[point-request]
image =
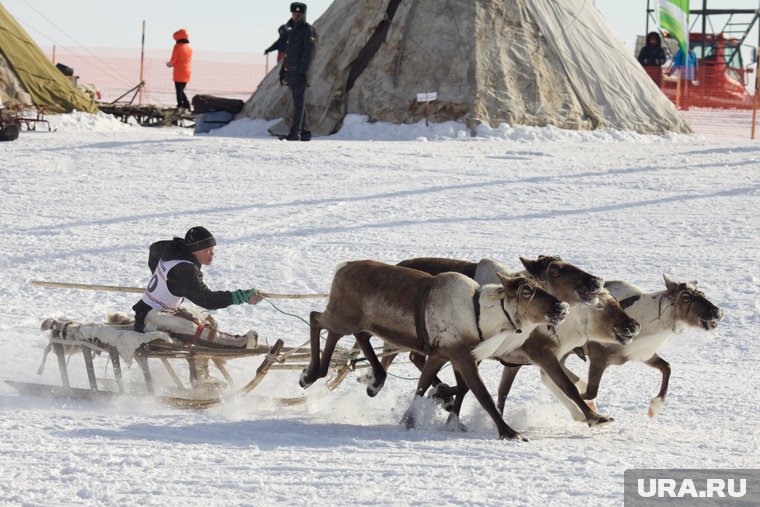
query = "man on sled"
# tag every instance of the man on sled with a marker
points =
(176, 275)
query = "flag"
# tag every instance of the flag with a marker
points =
(674, 18)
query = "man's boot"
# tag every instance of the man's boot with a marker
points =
(293, 136)
(306, 135)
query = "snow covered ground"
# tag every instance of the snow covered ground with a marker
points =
(82, 205)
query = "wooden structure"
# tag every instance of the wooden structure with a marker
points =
(149, 115)
(16, 115)
(276, 357)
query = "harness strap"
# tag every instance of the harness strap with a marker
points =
(476, 304)
(423, 291)
(511, 322)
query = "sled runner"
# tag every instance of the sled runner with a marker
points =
(120, 344)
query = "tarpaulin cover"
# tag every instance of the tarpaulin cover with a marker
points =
(22, 63)
(519, 62)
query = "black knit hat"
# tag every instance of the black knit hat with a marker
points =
(298, 7)
(199, 238)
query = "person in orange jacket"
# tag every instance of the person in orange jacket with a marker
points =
(182, 55)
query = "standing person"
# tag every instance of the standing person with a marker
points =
(281, 42)
(176, 274)
(687, 68)
(652, 57)
(302, 40)
(182, 56)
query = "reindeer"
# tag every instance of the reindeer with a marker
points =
(442, 316)
(561, 279)
(661, 314)
(604, 323)
(595, 315)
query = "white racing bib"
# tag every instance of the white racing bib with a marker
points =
(157, 294)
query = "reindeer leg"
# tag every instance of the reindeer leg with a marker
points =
(575, 379)
(596, 367)
(431, 368)
(505, 385)
(464, 363)
(318, 369)
(659, 401)
(567, 393)
(440, 391)
(459, 392)
(378, 372)
(388, 358)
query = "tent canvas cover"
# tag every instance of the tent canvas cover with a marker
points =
(520, 62)
(28, 77)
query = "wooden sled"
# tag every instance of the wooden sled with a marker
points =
(277, 357)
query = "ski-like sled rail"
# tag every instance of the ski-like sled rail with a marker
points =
(277, 357)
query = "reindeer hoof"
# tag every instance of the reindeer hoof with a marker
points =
(409, 420)
(599, 420)
(655, 406)
(513, 436)
(453, 423)
(372, 389)
(303, 382)
(442, 394)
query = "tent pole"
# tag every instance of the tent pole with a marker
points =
(678, 90)
(754, 103)
(142, 64)
(646, 30)
(52, 59)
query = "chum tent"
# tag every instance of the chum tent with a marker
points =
(519, 62)
(28, 77)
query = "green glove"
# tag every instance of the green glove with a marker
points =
(240, 296)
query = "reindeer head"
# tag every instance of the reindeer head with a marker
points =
(564, 280)
(607, 322)
(531, 303)
(691, 307)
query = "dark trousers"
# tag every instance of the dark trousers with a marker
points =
(300, 116)
(181, 97)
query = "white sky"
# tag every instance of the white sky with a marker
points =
(228, 25)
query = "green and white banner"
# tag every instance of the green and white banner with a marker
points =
(674, 18)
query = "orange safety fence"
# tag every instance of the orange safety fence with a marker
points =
(112, 72)
(715, 102)
(714, 105)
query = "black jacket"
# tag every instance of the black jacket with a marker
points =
(299, 53)
(652, 56)
(183, 280)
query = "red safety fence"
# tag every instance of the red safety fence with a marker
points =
(714, 104)
(115, 71)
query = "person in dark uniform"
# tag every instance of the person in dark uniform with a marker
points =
(176, 275)
(299, 53)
